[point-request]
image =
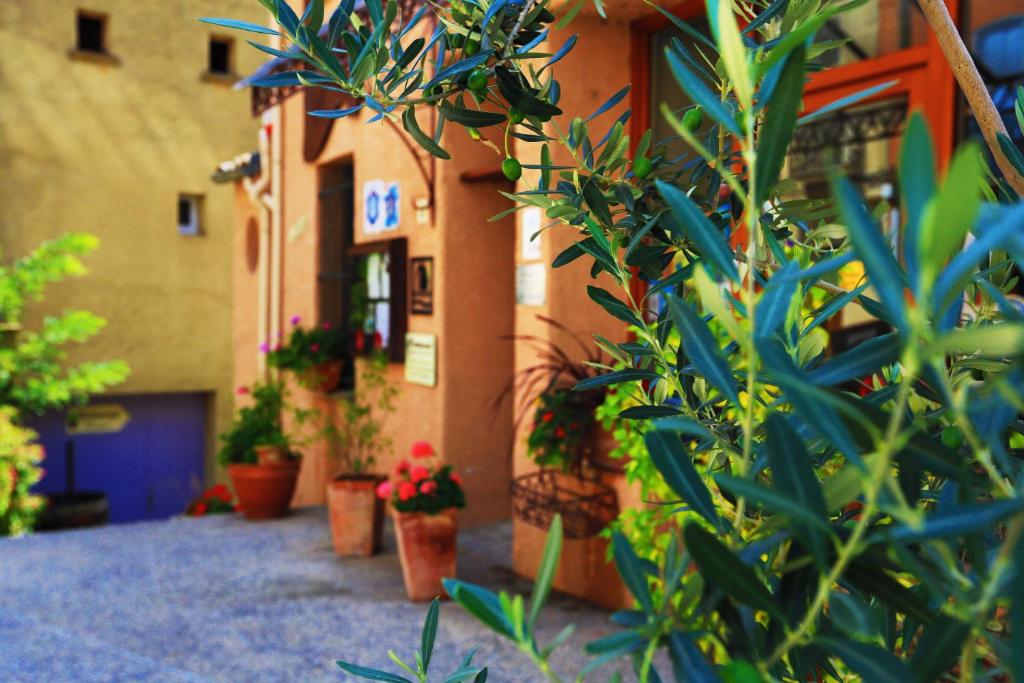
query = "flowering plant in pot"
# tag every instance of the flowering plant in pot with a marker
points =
(318, 356)
(256, 450)
(424, 497)
(354, 436)
(216, 500)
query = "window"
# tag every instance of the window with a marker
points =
(190, 214)
(91, 32)
(874, 29)
(377, 298)
(220, 56)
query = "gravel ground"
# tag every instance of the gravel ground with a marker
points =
(221, 599)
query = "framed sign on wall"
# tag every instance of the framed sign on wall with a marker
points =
(421, 276)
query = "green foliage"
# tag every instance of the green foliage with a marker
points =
(466, 671)
(797, 489)
(352, 426)
(308, 347)
(560, 424)
(34, 375)
(257, 424)
(19, 471)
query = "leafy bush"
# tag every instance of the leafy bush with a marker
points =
(34, 377)
(833, 534)
(19, 471)
(355, 435)
(258, 424)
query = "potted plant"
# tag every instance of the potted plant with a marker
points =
(262, 468)
(355, 437)
(423, 499)
(215, 500)
(318, 356)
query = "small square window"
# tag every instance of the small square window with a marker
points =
(220, 56)
(190, 214)
(91, 32)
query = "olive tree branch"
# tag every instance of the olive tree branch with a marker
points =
(972, 85)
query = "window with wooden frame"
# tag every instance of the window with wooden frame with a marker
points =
(220, 56)
(377, 299)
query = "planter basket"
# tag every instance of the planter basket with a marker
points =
(587, 506)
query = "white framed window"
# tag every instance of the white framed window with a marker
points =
(190, 210)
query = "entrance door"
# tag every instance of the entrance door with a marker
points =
(150, 467)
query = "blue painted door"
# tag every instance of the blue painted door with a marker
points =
(150, 469)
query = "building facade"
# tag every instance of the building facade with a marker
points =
(489, 280)
(112, 115)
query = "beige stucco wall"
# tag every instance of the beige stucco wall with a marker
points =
(106, 149)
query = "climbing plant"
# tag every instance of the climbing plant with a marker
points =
(841, 534)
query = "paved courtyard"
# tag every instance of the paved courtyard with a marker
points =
(220, 599)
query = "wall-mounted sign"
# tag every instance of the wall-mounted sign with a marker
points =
(531, 284)
(421, 271)
(381, 206)
(421, 359)
(102, 418)
(529, 236)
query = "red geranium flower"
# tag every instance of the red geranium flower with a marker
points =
(406, 491)
(402, 467)
(548, 416)
(384, 490)
(200, 509)
(428, 487)
(422, 449)
(419, 473)
(559, 432)
(456, 478)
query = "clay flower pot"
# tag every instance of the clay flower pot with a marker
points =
(356, 514)
(264, 491)
(426, 547)
(324, 377)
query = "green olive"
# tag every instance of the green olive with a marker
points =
(478, 80)
(456, 40)
(693, 119)
(515, 116)
(642, 167)
(952, 437)
(472, 47)
(512, 169)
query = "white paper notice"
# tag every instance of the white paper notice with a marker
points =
(530, 225)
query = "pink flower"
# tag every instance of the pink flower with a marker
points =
(402, 467)
(242, 390)
(384, 490)
(277, 347)
(296, 320)
(419, 473)
(422, 449)
(264, 347)
(327, 326)
(406, 490)
(428, 487)
(314, 347)
(456, 478)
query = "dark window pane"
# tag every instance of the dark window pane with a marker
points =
(184, 211)
(91, 33)
(220, 56)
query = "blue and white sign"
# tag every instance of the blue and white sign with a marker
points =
(381, 203)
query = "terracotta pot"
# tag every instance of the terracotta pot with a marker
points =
(271, 455)
(426, 547)
(324, 377)
(356, 514)
(264, 491)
